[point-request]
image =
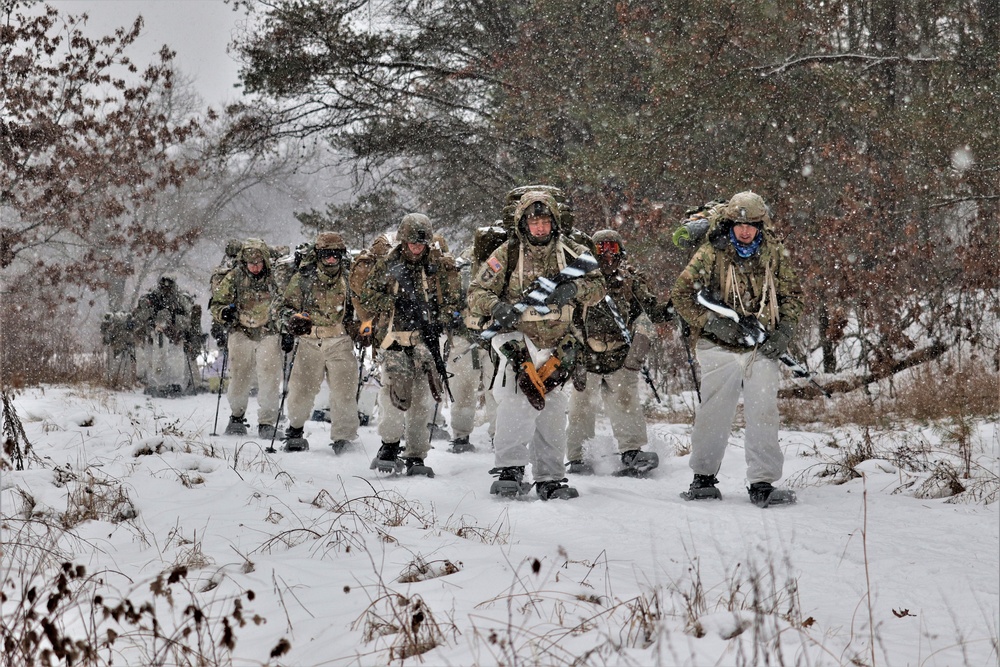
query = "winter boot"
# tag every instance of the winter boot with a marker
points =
(461, 445)
(763, 494)
(340, 446)
(268, 431)
(555, 490)
(509, 483)
(702, 488)
(415, 466)
(636, 463)
(295, 439)
(236, 426)
(387, 460)
(579, 468)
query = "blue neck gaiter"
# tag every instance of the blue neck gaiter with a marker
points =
(745, 250)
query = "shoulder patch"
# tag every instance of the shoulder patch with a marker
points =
(494, 264)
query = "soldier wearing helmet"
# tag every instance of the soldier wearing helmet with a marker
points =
(617, 333)
(745, 268)
(320, 321)
(414, 290)
(244, 304)
(538, 350)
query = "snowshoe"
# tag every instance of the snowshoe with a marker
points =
(415, 466)
(703, 488)
(763, 494)
(637, 463)
(236, 426)
(509, 483)
(321, 415)
(387, 460)
(579, 468)
(555, 490)
(268, 431)
(340, 446)
(295, 440)
(461, 445)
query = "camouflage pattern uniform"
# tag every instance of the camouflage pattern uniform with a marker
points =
(168, 333)
(395, 290)
(612, 364)
(327, 351)
(763, 285)
(253, 344)
(523, 434)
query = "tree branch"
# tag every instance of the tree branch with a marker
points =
(799, 61)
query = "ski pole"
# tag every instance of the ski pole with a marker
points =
(645, 373)
(685, 329)
(286, 376)
(361, 374)
(222, 378)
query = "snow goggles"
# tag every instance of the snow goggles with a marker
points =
(608, 248)
(327, 253)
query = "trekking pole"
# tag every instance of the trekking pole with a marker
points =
(222, 378)
(286, 375)
(649, 380)
(685, 331)
(361, 374)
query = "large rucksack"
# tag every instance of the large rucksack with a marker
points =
(361, 268)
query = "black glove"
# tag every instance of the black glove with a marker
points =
(300, 324)
(228, 314)
(219, 334)
(287, 342)
(505, 315)
(777, 343)
(725, 331)
(562, 294)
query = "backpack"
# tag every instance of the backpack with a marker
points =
(361, 268)
(697, 225)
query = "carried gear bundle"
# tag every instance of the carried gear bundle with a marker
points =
(534, 382)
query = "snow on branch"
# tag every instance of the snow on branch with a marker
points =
(798, 61)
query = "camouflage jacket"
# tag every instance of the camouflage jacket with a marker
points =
(763, 285)
(325, 297)
(491, 285)
(606, 347)
(256, 299)
(395, 288)
(172, 313)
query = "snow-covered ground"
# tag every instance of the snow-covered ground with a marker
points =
(333, 564)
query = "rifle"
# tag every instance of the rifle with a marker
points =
(754, 334)
(540, 290)
(627, 336)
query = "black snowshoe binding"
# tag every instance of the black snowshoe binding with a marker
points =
(321, 415)
(340, 446)
(236, 426)
(461, 445)
(637, 463)
(763, 494)
(415, 466)
(387, 460)
(510, 482)
(555, 490)
(579, 468)
(703, 488)
(295, 440)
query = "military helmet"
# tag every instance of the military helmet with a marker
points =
(330, 241)
(745, 207)
(415, 228)
(535, 203)
(608, 241)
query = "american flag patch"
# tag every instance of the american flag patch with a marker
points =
(494, 264)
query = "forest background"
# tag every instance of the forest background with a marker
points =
(870, 128)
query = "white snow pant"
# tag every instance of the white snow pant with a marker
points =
(465, 382)
(525, 435)
(724, 375)
(162, 365)
(333, 359)
(248, 358)
(395, 424)
(619, 393)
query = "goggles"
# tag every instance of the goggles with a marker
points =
(327, 253)
(608, 248)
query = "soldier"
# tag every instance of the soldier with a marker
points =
(245, 305)
(318, 310)
(538, 352)
(168, 332)
(617, 332)
(414, 292)
(745, 268)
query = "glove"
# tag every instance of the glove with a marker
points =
(562, 294)
(300, 324)
(228, 314)
(777, 343)
(725, 331)
(219, 334)
(637, 353)
(365, 332)
(505, 315)
(287, 342)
